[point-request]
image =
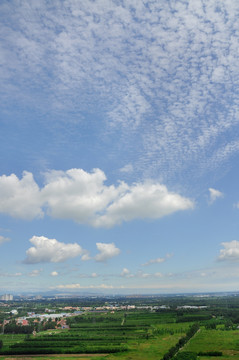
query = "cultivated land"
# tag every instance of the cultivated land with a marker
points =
(182, 327)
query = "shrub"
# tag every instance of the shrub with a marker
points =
(210, 353)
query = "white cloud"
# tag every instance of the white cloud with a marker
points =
(158, 274)
(84, 198)
(85, 256)
(79, 286)
(4, 239)
(127, 168)
(11, 275)
(54, 273)
(20, 198)
(106, 251)
(126, 273)
(157, 261)
(142, 201)
(214, 195)
(76, 194)
(230, 251)
(35, 272)
(154, 261)
(145, 275)
(114, 49)
(51, 250)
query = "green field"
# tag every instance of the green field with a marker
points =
(211, 340)
(137, 335)
(134, 335)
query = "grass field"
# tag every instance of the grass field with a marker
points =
(215, 340)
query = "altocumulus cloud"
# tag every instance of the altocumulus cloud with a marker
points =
(50, 250)
(83, 197)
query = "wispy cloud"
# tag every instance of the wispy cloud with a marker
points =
(127, 168)
(79, 286)
(35, 272)
(157, 260)
(4, 239)
(17, 274)
(214, 195)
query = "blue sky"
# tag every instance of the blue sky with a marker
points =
(119, 146)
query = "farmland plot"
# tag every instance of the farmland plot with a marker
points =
(215, 340)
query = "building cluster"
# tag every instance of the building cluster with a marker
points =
(6, 297)
(191, 307)
(59, 319)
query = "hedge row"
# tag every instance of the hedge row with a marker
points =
(57, 350)
(181, 342)
(53, 339)
(62, 344)
(210, 353)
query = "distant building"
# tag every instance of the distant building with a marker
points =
(6, 297)
(22, 322)
(14, 312)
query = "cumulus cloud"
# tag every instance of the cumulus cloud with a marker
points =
(106, 251)
(143, 201)
(50, 250)
(230, 251)
(158, 260)
(83, 197)
(20, 198)
(54, 273)
(4, 239)
(214, 195)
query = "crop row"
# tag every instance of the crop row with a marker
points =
(63, 344)
(66, 343)
(63, 350)
(117, 327)
(74, 338)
